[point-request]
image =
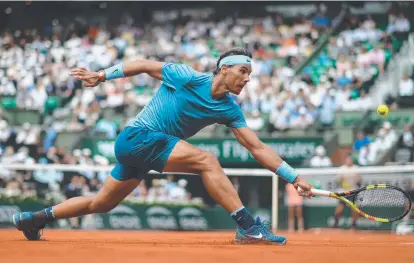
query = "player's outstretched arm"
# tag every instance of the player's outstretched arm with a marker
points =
(267, 157)
(127, 69)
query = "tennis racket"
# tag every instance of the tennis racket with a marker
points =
(378, 202)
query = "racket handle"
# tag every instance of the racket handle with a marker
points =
(318, 192)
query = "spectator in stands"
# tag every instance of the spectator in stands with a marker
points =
(377, 57)
(49, 138)
(85, 190)
(282, 123)
(366, 156)
(405, 150)
(22, 156)
(342, 65)
(390, 134)
(407, 138)
(55, 194)
(171, 184)
(267, 101)
(142, 187)
(5, 133)
(101, 161)
(106, 126)
(86, 159)
(38, 98)
(320, 159)
(255, 121)
(140, 192)
(28, 136)
(13, 188)
(52, 156)
(369, 23)
(328, 109)
(361, 141)
(95, 185)
(347, 181)
(180, 194)
(157, 192)
(8, 155)
(400, 24)
(381, 143)
(406, 87)
(332, 48)
(27, 191)
(303, 120)
(364, 58)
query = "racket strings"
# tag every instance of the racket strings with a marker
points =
(386, 203)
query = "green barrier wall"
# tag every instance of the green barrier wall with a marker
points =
(185, 218)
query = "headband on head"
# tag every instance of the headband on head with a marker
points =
(235, 60)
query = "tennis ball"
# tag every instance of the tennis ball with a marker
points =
(382, 110)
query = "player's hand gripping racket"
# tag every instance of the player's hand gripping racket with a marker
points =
(379, 202)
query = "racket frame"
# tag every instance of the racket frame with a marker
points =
(341, 196)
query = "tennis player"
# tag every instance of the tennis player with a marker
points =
(186, 102)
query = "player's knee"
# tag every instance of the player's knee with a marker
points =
(208, 161)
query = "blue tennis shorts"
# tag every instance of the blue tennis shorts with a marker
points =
(139, 150)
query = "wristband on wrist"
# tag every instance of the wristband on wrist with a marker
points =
(114, 72)
(287, 172)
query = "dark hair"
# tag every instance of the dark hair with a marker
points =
(231, 52)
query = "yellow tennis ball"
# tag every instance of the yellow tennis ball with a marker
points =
(382, 110)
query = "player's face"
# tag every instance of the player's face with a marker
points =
(237, 77)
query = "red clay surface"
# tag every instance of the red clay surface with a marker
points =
(336, 246)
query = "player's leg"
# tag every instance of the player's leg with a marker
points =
(299, 216)
(186, 158)
(354, 216)
(110, 195)
(338, 212)
(291, 218)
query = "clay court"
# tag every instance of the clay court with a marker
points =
(63, 246)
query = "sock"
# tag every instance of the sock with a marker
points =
(243, 218)
(44, 217)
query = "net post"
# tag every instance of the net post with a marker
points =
(275, 200)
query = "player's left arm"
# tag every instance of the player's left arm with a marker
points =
(127, 69)
(268, 158)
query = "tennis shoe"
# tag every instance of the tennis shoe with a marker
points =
(25, 223)
(259, 233)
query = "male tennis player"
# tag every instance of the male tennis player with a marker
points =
(186, 102)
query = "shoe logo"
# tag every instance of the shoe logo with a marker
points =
(256, 236)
